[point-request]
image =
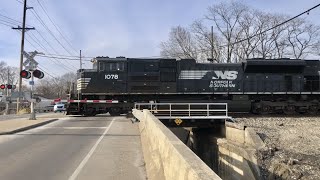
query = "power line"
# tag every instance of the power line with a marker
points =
(10, 18)
(13, 21)
(5, 24)
(19, 1)
(46, 71)
(50, 32)
(86, 57)
(55, 62)
(36, 40)
(284, 22)
(57, 28)
(64, 67)
(65, 58)
(8, 22)
(32, 37)
(262, 32)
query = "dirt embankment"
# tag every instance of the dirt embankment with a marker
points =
(293, 146)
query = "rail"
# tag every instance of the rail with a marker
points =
(186, 110)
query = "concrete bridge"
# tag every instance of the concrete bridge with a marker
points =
(103, 147)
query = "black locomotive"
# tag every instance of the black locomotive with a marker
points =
(256, 85)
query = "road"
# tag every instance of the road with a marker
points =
(101, 147)
(15, 116)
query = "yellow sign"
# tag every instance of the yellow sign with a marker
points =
(178, 121)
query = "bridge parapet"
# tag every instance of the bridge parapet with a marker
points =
(165, 155)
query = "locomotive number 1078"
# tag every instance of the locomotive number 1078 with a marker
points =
(111, 76)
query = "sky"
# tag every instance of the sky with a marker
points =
(130, 28)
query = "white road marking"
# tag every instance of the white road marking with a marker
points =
(85, 160)
(72, 127)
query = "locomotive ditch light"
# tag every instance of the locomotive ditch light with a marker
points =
(25, 74)
(38, 74)
(2, 86)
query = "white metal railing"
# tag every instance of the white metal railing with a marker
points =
(186, 110)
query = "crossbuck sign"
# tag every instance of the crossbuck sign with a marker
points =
(30, 64)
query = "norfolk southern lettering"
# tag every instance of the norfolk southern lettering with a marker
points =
(225, 79)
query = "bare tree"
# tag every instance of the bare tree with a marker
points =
(240, 33)
(248, 43)
(226, 18)
(8, 73)
(207, 41)
(180, 44)
(303, 38)
(56, 87)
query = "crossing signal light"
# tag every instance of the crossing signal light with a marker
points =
(25, 74)
(38, 74)
(8, 86)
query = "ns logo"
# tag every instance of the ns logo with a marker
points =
(229, 75)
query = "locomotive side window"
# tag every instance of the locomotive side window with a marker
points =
(101, 66)
(115, 66)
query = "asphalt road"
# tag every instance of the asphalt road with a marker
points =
(101, 147)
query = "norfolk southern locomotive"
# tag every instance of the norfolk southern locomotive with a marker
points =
(256, 85)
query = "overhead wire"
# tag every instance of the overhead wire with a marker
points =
(48, 29)
(65, 58)
(19, 1)
(5, 24)
(31, 36)
(51, 33)
(41, 22)
(54, 60)
(37, 48)
(250, 37)
(56, 26)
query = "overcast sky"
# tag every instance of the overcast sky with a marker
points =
(131, 28)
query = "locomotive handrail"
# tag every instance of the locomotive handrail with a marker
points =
(187, 110)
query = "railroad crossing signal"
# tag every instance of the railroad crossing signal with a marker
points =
(30, 63)
(38, 74)
(25, 74)
(8, 86)
(31, 66)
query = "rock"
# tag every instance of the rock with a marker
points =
(292, 161)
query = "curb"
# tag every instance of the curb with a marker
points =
(28, 127)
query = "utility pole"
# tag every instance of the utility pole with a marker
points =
(212, 43)
(22, 47)
(80, 61)
(7, 93)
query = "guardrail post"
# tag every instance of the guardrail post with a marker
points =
(170, 109)
(207, 109)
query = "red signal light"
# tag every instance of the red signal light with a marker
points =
(3, 86)
(25, 74)
(9, 86)
(38, 74)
